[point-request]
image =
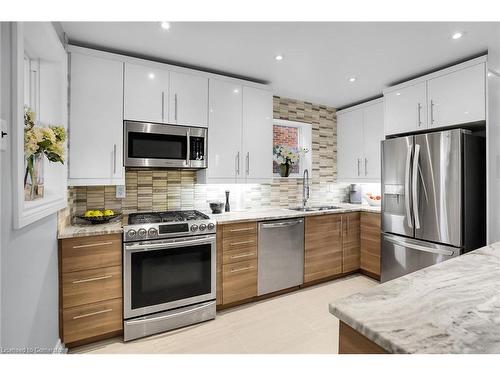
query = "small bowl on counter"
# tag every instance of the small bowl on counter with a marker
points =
(98, 217)
(373, 200)
(216, 206)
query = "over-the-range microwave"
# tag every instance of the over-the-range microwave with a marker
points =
(166, 146)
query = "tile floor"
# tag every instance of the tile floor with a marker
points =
(298, 322)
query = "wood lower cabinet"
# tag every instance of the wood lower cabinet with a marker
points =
(90, 288)
(237, 256)
(323, 247)
(370, 244)
(350, 242)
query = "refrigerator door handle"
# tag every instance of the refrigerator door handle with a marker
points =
(419, 247)
(414, 186)
(407, 187)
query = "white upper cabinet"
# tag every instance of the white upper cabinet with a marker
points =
(146, 93)
(188, 103)
(373, 134)
(225, 160)
(349, 145)
(359, 132)
(449, 97)
(96, 121)
(406, 109)
(257, 135)
(458, 97)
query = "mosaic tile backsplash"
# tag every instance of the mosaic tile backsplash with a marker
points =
(161, 189)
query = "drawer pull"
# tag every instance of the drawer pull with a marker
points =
(241, 243)
(240, 269)
(93, 244)
(241, 255)
(241, 229)
(92, 313)
(92, 279)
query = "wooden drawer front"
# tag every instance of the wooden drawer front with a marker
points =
(83, 287)
(323, 247)
(370, 242)
(92, 320)
(239, 281)
(240, 249)
(83, 253)
(351, 242)
(237, 230)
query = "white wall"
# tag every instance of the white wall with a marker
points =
(28, 257)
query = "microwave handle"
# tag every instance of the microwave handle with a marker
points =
(188, 148)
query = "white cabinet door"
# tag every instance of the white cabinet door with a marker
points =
(188, 100)
(405, 109)
(225, 160)
(458, 97)
(350, 145)
(146, 93)
(257, 135)
(373, 134)
(96, 121)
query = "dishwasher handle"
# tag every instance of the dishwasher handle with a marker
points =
(283, 224)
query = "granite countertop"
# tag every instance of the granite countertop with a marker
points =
(83, 230)
(450, 307)
(284, 213)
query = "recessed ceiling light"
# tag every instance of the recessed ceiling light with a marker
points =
(165, 25)
(151, 76)
(398, 93)
(490, 74)
(236, 91)
(278, 57)
(457, 35)
(352, 79)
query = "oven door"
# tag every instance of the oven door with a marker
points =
(166, 274)
(161, 145)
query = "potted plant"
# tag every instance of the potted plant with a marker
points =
(38, 142)
(286, 157)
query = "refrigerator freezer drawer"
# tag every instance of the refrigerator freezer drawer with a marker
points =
(401, 255)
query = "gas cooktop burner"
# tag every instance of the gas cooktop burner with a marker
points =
(165, 217)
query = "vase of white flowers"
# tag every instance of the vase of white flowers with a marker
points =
(38, 142)
(287, 157)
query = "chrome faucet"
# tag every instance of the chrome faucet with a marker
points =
(305, 188)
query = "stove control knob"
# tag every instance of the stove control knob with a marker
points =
(194, 228)
(203, 226)
(152, 232)
(131, 233)
(141, 232)
(211, 226)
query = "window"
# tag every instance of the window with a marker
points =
(295, 135)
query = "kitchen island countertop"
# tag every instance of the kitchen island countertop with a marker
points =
(450, 307)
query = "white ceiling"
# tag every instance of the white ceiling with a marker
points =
(318, 57)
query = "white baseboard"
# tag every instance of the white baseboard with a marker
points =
(60, 348)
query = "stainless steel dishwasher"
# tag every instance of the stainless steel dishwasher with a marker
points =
(280, 255)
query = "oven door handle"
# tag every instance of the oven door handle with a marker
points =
(164, 245)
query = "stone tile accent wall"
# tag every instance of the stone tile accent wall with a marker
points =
(159, 189)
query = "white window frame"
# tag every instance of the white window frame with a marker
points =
(304, 131)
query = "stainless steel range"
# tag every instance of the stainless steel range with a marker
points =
(169, 271)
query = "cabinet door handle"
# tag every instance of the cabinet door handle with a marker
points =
(241, 269)
(432, 111)
(238, 163)
(248, 163)
(359, 161)
(114, 158)
(366, 167)
(241, 243)
(175, 107)
(92, 313)
(419, 121)
(163, 105)
(92, 279)
(240, 230)
(93, 244)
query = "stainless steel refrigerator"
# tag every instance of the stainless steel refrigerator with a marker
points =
(434, 199)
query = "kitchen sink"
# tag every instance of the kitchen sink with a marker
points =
(320, 208)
